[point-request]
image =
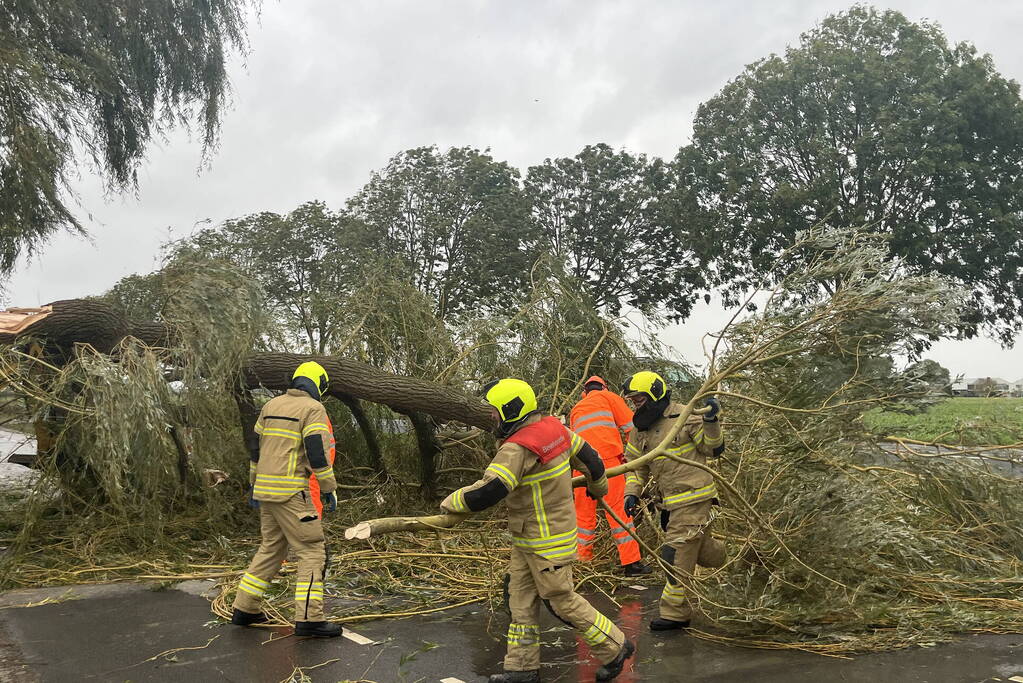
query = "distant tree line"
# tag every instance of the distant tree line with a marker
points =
(869, 120)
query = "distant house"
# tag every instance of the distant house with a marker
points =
(1017, 388)
(986, 386)
(961, 385)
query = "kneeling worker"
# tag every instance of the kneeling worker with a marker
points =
(294, 440)
(533, 470)
(686, 492)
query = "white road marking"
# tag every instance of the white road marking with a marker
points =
(356, 638)
(638, 588)
(451, 680)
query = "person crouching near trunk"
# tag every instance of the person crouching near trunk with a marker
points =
(686, 492)
(533, 471)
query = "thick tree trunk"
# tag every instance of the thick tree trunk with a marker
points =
(401, 394)
(429, 449)
(75, 321)
(93, 322)
(248, 414)
(376, 456)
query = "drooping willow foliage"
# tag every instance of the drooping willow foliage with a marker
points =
(140, 432)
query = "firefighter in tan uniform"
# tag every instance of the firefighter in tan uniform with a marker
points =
(294, 440)
(533, 471)
(686, 493)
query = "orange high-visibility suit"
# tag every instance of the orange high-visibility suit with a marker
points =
(597, 418)
(314, 486)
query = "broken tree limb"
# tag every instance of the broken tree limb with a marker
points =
(387, 525)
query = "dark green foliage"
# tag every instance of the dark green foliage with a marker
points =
(870, 120)
(599, 215)
(454, 221)
(305, 262)
(104, 78)
(138, 297)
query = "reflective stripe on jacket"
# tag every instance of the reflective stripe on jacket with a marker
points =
(679, 485)
(283, 468)
(597, 417)
(541, 505)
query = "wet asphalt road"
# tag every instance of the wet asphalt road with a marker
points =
(112, 633)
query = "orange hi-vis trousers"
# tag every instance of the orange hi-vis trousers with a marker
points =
(586, 520)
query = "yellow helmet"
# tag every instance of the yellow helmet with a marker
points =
(513, 398)
(313, 371)
(646, 382)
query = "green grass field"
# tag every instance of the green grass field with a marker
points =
(966, 421)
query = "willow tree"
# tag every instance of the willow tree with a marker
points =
(100, 79)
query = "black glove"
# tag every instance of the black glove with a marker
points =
(631, 505)
(715, 408)
(253, 503)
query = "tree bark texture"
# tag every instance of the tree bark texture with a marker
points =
(94, 322)
(361, 380)
(429, 449)
(75, 321)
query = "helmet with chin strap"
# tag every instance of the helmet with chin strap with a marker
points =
(647, 383)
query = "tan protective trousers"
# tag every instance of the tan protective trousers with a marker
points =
(292, 524)
(534, 579)
(686, 545)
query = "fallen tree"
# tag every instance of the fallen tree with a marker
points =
(94, 323)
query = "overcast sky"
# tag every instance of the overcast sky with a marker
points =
(331, 90)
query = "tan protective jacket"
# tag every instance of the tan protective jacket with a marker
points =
(541, 506)
(282, 468)
(678, 485)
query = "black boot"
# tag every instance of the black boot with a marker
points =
(611, 670)
(317, 629)
(240, 618)
(516, 677)
(668, 625)
(637, 569)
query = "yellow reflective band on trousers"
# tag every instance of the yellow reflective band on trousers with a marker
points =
(673, 595)
(554, 547)
(313, 590)
(693, 495)
(526, 635)
(599, 632)
(253, 585)
(278, 486)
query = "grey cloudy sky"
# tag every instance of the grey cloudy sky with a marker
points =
(331, 90)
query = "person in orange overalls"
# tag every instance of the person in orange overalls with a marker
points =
(314, 486)
(602, 418)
